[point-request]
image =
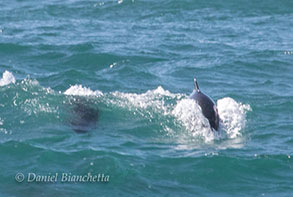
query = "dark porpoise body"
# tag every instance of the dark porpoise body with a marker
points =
(85, 116)
(208, 107)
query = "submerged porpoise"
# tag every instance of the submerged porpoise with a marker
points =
(85, 116)
(208, 106)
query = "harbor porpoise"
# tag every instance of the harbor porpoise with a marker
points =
(208, 106)
(85, 116)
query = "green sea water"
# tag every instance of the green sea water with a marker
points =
(133, 62)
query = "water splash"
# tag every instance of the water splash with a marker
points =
(7, 78)
(232, 115)
(160, 102)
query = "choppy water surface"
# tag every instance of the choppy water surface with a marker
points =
(135, 61)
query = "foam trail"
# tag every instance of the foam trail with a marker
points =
(79, 90)
(7, 78)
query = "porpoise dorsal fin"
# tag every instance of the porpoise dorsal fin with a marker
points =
(196, 85)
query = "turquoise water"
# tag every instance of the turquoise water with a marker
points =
(135, 61)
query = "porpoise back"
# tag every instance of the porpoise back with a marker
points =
(208, 106)
(85, 116)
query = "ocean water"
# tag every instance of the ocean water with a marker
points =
(134, 61)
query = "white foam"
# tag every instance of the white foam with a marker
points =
(160, 91)
(232, 116)
(82, 91)
(7, 78)
(36, 106)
